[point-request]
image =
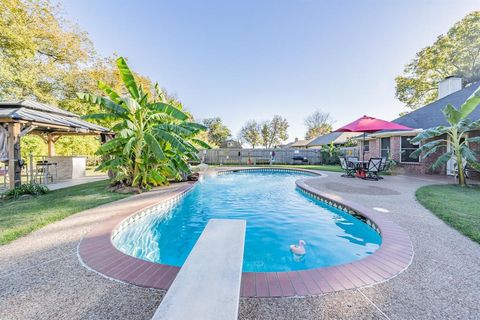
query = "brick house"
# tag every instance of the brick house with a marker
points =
(398, 145)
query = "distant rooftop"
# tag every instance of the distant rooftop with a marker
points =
(336, 137)
(298, 144)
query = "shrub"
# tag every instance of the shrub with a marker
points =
(329, 159)
(33, 189)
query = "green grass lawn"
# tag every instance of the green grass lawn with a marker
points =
(457, 206)
(20, 217)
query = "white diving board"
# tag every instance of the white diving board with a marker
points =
(208, 284)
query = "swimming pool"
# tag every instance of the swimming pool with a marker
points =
(278, 214)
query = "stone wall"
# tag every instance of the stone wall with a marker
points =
(68, 167)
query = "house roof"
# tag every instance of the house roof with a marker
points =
(44, 116)
(286, 145)
(431, 115)
(336, 137)
(299, 144)
(233, 143)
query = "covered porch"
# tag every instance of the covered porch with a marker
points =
(19, 118)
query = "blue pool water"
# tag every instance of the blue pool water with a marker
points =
(277, 213)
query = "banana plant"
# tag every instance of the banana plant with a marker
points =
(459, 125)
(153, 138)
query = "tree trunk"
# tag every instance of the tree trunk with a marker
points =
(461, 175)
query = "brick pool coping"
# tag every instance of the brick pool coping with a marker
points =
(395, 254)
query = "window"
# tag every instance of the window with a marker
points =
(406, 148)
(385, 147)
(366, 147)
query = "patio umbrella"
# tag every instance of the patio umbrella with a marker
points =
(369, 125)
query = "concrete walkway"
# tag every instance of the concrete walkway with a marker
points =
(75, 182)
(42, 278)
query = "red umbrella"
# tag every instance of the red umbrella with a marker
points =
(370, 124)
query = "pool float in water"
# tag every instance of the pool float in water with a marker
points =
(300, 249)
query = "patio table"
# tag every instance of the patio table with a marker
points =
(359, 165)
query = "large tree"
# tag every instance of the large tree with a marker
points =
(39, 51)
(250, 133)
(274, 132)
(45, 58)
(455, 53)
(318, 123)
(216, 130)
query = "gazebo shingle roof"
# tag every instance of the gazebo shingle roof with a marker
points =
(40, 113)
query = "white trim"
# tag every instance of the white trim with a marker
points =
(373, 136)
(406, 133)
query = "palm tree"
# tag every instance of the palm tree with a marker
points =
(458, 141)
(154, 139)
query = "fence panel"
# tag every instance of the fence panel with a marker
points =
(259, 156)
(349, 151)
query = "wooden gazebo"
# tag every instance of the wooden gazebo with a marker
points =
(21, 117)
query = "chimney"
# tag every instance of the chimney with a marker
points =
(296, 139)
(448, 86)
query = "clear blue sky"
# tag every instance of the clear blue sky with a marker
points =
(251, 59)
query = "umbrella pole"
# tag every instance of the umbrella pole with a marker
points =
(363, 149)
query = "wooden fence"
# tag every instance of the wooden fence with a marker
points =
(260, 156)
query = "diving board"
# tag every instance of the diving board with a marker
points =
(208, 284)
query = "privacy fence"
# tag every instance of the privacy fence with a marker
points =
(270, 156)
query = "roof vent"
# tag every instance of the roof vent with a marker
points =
(448, 86)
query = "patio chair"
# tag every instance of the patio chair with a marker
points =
(42, 174)
(373, 168)
(467, 170)
(383, 166)
(4, 172)
(348, 167)
(352, 159)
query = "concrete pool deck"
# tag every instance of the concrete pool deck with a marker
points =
(41, 276)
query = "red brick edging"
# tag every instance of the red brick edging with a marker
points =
(394, 255)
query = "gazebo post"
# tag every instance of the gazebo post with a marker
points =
(14, 170)
(104, 138)
(51, 145)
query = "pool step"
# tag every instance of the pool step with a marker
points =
(208, 284)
